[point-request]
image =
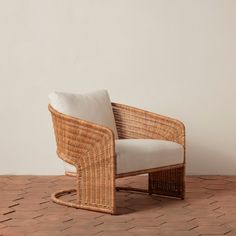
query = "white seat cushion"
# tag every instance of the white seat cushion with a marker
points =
(142, 154)
(94, 107)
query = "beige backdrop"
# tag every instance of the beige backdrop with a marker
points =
(176, 58)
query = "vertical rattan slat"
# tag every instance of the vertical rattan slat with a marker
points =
(168, 182)
(136, 123)
(132, 122)
(90, 148)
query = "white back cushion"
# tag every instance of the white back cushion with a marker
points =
(94, 107)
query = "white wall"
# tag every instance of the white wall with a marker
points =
(176, 58)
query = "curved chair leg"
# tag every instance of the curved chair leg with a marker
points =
(56, 198)
(169, 182)
(95, 188)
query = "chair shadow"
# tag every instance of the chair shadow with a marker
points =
(131, 202)
(198, 163)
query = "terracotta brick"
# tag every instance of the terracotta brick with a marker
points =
(139, 230)
(115, 233)
(187, 226)
(209, 208)
(115, 227)
(203, 230)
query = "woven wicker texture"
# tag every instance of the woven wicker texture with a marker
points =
(91, 149)
(136, 123)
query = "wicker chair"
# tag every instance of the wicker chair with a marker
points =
(91, 149)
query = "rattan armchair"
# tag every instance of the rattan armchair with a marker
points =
(91, 149)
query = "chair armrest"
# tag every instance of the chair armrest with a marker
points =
(82, 143)
(135, 123)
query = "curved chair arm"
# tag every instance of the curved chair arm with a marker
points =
(132, 122)
(79, 139)
(91, 149)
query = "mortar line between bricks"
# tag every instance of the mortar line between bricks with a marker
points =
(101, 223)
(37, 216)
(194, 228)
(13, 205)
(99, 232)
(9, 212)
(131, 228)
(44, 202)
(65, 221)
(17, 199)
(5, 220)
(66, 228)
(191, 220)
(227, 232)
(216, 208)
(213, 202)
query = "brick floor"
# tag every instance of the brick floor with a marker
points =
(209, 209)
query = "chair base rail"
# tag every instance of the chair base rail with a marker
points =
(56, 198)
(140, 190)
(131, 189)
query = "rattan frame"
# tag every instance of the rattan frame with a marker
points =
(91, 149)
